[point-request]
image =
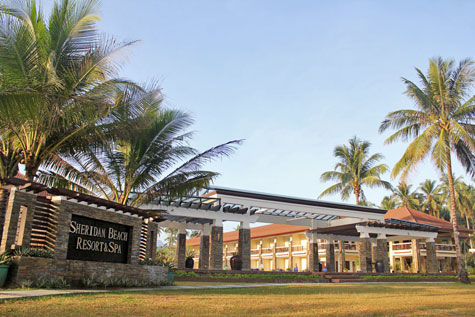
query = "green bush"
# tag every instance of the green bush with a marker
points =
(33, 252)
(244, 275)
(409, 277)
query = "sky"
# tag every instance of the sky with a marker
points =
(292, 78)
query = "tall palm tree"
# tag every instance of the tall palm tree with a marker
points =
(56, 80)
(467, 205)
(443, 123)
(153, 159)
(404, 197)
(389, 202)
(431, 198)
(355, 169)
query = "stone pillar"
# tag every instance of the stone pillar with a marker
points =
(364, 253)
(203, 261)
(216, 258)
(180, 251)
(416, 256)
(431, 256)
(18, 219)
(330, 256)
(381, 252)
(244, 246)
(152, 240)
(313, 260)
(341, 259)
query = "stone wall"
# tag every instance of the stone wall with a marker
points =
(30, 268)
(67, 208)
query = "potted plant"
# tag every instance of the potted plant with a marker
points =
(236, 262)
(5, 260)
(189, 262)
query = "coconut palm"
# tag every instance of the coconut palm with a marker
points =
(431, 198)
(153, 159)
(355, 169)
(56, 80)
(442, 123)
(467, 205)
(404, 197)
(389, 202)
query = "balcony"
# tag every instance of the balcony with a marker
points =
(281, 249)
(267, 250)
(407, 246)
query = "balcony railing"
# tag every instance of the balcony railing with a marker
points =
(408, 246)
(281, 249)
(267, 250)
(401, 246)
(296, 248)
(254, 251)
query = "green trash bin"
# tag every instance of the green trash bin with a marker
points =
(170, 277)
(3, 273)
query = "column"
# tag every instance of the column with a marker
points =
(274, 256)
(381, 252)
(180, 251)
(342, 260)
(291, 258)
(152, 239)
(260, 261)
(313, 260)
(244, 245)
(416, 256)
(18, 219)
(216, 258)
(204, 248)
(431, 256)
(330, 256)
(364, 253)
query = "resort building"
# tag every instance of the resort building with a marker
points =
(304, 234)
(277, 247)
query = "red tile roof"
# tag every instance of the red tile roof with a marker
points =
(256, 233)
(409, 214)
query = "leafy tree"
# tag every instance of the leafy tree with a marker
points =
(442, 123)
(431, 198)
(355, 169)
(56, 81)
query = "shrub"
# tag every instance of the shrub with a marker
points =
(33, 252)
(5, 258)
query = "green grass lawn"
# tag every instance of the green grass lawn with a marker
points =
(338, 299)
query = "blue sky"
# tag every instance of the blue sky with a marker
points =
(293, 78)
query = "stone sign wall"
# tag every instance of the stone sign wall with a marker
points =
(86, 238)
(96, 240)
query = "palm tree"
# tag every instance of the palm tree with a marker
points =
(153, 159)
(467, 205)
(389, 202)
(56, 80)
(404, 197)
(355, 169)
(443, 123)
(431, 198)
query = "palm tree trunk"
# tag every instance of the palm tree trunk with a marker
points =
(468, 227)
(357, 195)
(462, 274)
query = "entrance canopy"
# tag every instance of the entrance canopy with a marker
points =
(223, 204)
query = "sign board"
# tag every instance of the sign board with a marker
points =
(96, 240)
